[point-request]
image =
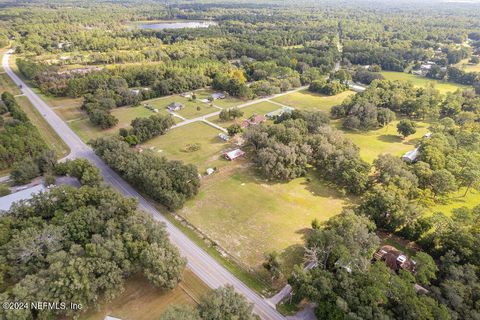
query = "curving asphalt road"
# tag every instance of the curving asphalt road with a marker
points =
(203, 265)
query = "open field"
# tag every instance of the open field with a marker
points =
(249, 216)
(457, 200)
(418, 81)
(190, 107)
(172, 145)
(86, 130)
(467, 67)
(384, 140)
(48, 134)
(257, 108)
(306, 100)
(142, 301)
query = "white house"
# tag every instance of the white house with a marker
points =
(7, 201)
(411, 156)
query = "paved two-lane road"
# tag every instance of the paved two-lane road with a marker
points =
(203, 265)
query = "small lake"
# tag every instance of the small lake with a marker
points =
(177, 25)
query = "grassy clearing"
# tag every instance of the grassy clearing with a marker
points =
(48, 134)
(86, 130)
(142, 301)
(190, 107)
(172, 145)
(249, 216)
(6, 84)
(228, 102)
(457, 200)
(306, 100)
(384, 140)
(418, 81)
(467, 67)
(257, 108)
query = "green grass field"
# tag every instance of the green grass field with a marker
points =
(51, 138)
(6, 84)
(467, 67)
(142, 301)
(249, 216)
(228, 102)
(384, 140)
(257, 108)
(306, 100)
(457, 200)
(172, 145)
(86, 130)
(418, 81)
(190, 107)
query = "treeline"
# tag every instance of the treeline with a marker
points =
(144, 129)
(220, 303)
(454, 75)
(284, 151)
(170, 183)
(346, 283)
(19, 139)
(377, 105)
(75, 245)
(342, 248)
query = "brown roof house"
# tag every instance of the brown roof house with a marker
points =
(394, 258)
(252, 121)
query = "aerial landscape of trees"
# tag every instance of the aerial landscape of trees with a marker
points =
(82, 244)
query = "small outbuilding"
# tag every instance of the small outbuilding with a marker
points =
(224, 136)
(175, 106)
(411, 156)
(218, 95)
(279, 112)
(234, 154)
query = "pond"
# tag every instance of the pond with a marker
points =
(178, 25)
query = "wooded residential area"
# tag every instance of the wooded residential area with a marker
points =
(217, 159)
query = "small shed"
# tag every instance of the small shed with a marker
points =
(411, 156)
(175, 106)
(279, 112)
(210, 171)
(223, 136)
(234, 154)
(218, 95)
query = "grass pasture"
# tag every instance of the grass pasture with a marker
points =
(442, 86)
(457, 200)
(306, 100)
(384, 140)
(6, 84)
(190, 107)
(142, 301)
(46, 131)
(173, 145)
(249, 217)
(86, 130)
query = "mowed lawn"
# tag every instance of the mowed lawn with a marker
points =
(86, 130)
(173, 145)
(457, 200)
(418, 81)
(142, 301)
(192, 109)
(306, 100)
(384, 140)
(249, 216)
(46, 131)
(260, 108)
(228, 102)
